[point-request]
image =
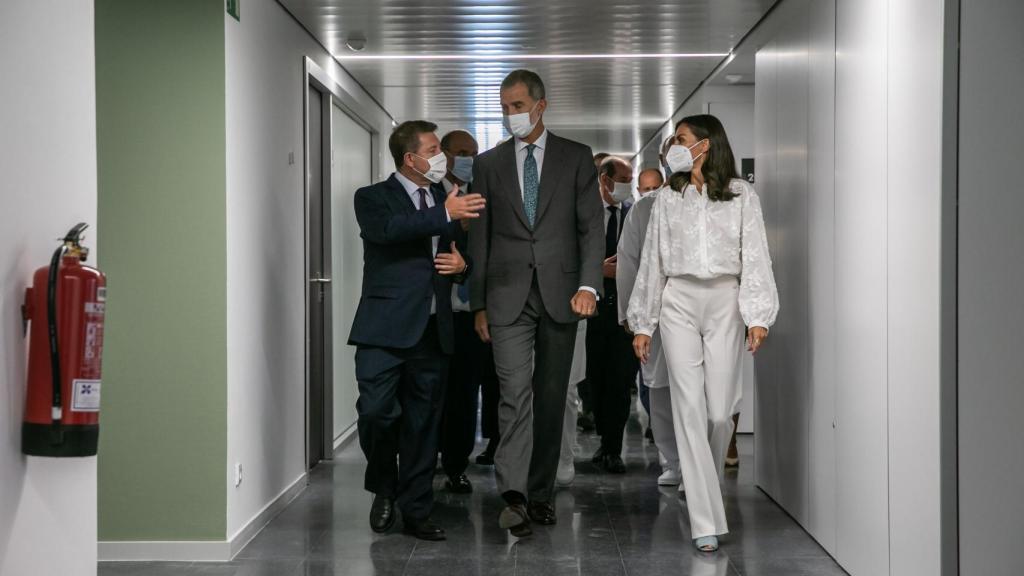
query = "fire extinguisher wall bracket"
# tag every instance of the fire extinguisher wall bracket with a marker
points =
(26, 312)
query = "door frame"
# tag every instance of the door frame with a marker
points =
(334, 95)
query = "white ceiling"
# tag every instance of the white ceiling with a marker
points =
(613, 105)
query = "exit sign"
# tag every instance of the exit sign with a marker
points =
(233, 8)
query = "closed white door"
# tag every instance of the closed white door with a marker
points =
(351, 169)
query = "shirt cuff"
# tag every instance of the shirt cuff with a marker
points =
(591, 290)
(760, 325)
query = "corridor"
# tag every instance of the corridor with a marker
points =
(263, 228)
(619, 525)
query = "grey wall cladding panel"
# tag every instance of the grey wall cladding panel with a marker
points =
(991, 244)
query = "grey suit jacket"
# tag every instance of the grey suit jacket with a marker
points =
(565, 247)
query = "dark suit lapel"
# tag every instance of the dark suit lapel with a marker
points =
(399, 195)
(550, 174)
(508, 174)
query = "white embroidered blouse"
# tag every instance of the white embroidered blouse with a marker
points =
(689, 235)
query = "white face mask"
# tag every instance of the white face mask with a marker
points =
(622, 191)
(463, 168)
(520, 125)
(680, 159)
(438, 167)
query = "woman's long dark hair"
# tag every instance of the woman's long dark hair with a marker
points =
(719, 164)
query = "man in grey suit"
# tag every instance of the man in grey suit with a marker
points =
(537, 250)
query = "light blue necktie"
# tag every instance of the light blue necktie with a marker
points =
(530, 184)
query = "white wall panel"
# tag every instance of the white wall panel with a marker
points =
(849, 164)
(351, 164)
(860, 260)
(914, 148)
(821, 340)
(265, 54)
(766, 395)
(47, 185)
(789, 253)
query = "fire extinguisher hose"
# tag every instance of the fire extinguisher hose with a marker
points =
(56, 435)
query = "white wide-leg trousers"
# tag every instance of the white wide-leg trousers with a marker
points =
(702, 338)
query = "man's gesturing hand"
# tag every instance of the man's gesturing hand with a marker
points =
(462, 207)
(450, 263)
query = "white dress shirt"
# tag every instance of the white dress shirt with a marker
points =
(538, 155)
(412, 189)
(689, 235)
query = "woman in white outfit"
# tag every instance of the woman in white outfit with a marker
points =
(705, 273)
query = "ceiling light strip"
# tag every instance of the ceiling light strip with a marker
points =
(513, 57)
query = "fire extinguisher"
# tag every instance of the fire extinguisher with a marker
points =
(66, 306)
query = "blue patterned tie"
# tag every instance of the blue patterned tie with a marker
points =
(530, 184)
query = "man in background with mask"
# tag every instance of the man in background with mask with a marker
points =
(611, 367)
(648, 181)
(472, 365)
(539, 245)
(403, 336)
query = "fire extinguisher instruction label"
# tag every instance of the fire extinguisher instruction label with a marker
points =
(86, 397)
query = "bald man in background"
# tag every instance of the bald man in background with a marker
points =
(648, 180)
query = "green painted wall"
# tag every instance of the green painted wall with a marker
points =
(162, 242)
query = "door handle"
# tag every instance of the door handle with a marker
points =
(320, 280)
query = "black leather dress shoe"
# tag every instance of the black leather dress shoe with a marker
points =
(424, 530)
(458, 484)
(516, 520)
(614, 464)
(542, 513)
(598, 457)
(521, 531)
(382, 514)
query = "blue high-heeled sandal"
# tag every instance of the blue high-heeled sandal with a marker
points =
(706, 543)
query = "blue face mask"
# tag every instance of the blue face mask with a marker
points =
(463, 168)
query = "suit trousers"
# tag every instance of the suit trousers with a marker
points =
(530, 356)
(702, 335)
(611, 374)
(401, 395)
(472, 367)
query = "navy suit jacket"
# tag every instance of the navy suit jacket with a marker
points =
(399, 278)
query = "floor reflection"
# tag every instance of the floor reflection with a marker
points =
(608, 525)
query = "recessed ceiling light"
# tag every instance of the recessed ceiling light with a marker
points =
(356, 42)
(733, 78)
(483, 57)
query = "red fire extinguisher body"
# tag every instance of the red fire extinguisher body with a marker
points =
(72, 428)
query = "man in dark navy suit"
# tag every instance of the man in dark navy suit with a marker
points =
(611, 369)
(403, 325)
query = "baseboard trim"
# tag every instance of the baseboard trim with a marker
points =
(245, 535)
(345, 436)
(165, 551)
(211, 551)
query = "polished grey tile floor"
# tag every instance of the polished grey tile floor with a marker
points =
(608, 525)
